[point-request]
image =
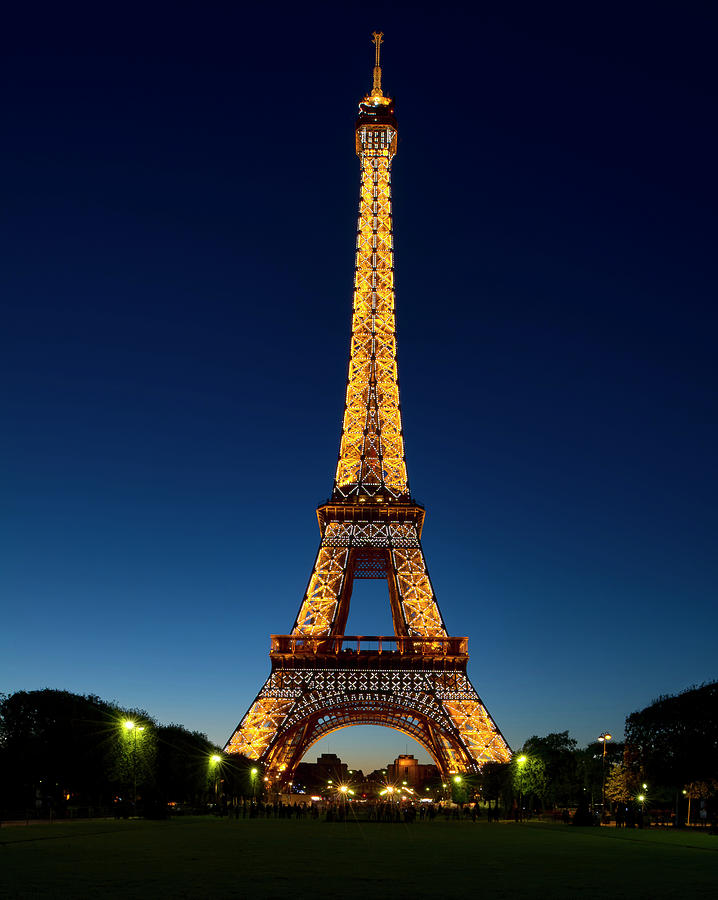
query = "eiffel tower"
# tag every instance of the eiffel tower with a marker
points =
(415, 680)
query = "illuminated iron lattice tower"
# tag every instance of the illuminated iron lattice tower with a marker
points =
(415, 680)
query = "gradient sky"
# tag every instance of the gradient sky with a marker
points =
(180, 194)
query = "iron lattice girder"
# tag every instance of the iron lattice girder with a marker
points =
(371, 454)
(299, 704)
(325, 606)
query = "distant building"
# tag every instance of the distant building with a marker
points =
(313, 777)
(330, 766)
(407, 768)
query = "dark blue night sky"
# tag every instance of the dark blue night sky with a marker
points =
(180, 194)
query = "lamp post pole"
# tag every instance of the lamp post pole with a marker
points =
(215, 760)
(457, 791)
(390, 792)
(604, 739)
(134, 728)
(521, 761)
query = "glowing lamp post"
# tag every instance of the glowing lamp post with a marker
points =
(214, 762)
(455, 793)
(129, 725)
(642, 797)
(604, 739)
(343, 791)
(521, 761)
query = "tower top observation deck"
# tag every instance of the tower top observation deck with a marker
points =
(375, 108)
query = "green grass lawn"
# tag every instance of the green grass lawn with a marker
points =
(288, 858)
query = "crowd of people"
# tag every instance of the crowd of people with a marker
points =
(342, 810)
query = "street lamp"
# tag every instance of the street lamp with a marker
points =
(344, 790)
(134, 728)
(521, 761)
(214, 761)
(642, 796)
(604, 739)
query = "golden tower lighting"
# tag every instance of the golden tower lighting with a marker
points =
(414, 680)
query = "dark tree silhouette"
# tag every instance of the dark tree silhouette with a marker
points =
(60, 750)
(676, 737)
(54, 744)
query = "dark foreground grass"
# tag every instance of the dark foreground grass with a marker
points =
(287, 858)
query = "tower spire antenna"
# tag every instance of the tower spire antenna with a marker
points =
(376, 87)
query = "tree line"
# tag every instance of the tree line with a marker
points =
(670, 755)
(63, 753)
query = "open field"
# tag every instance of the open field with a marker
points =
(286, 858)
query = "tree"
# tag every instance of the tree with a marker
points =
(57, 748)
(528, 779)
(622, 783)
(590, 766)
(676, 737)
(461, 789)
(702, 790)
(495, 780)
(185, 773)
(243, 777)
(137, 760)
(557, 784)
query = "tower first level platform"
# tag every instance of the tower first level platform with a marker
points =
(416, 686)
